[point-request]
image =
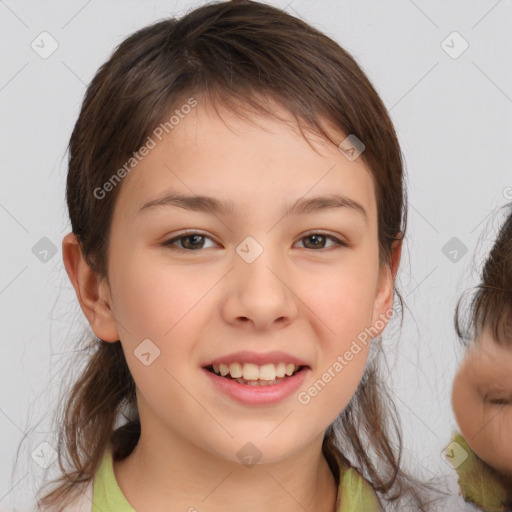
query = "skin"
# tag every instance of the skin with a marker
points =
(209, 302)
(482, 401)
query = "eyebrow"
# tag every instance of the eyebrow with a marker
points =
(223, 207)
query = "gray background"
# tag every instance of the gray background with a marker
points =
(454, 121)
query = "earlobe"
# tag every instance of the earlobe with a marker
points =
(391, 270)
(91, 290)
(396, 253)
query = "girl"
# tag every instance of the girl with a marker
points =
(482, 390)
(237, 203)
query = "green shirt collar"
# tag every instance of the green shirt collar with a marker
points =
(479, 483)
(355, 494)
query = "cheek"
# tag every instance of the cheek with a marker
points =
(468, 405)
(340, 379)
(494, 444)
(164, 305)
(340, 312)
(332, 385)
(486, 428)
(343, 299)
(151, 299)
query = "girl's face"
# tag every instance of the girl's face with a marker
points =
(191, 285)
(482, 401)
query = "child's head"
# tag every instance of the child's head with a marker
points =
(482, 391)
(245, 104)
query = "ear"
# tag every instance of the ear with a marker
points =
(92, 291)
(383, 305)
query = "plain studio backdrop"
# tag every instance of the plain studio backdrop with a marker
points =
(442, 69)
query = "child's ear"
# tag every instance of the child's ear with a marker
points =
(385, 290)
(92, 291)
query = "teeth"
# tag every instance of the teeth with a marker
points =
(224, 369)
(253, 372)
(250, 371)
(235, 370)
(267, 372)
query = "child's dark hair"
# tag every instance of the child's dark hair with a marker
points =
(235, 54)
(491, 303)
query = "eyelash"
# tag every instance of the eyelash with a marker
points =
(170, 243)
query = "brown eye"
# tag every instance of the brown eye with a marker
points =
(188, 242)
(192, 241)
(318, 240)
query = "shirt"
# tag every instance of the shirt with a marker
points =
(355, 493)
(479, 484)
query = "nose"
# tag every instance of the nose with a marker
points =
(259, 295)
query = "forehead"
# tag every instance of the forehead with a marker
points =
(214, 151)
(490, 358)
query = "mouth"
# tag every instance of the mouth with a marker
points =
(253, 375)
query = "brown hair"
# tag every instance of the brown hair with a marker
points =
(491, 303)
(235, 53)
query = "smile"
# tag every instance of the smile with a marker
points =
(256, 391)
(253, 374)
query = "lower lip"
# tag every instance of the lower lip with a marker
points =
(258, 395)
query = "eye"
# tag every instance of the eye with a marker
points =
(499, 401)
(498, 397)
(317, 240)
(191, 241)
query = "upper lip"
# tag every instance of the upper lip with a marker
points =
(258, 358)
